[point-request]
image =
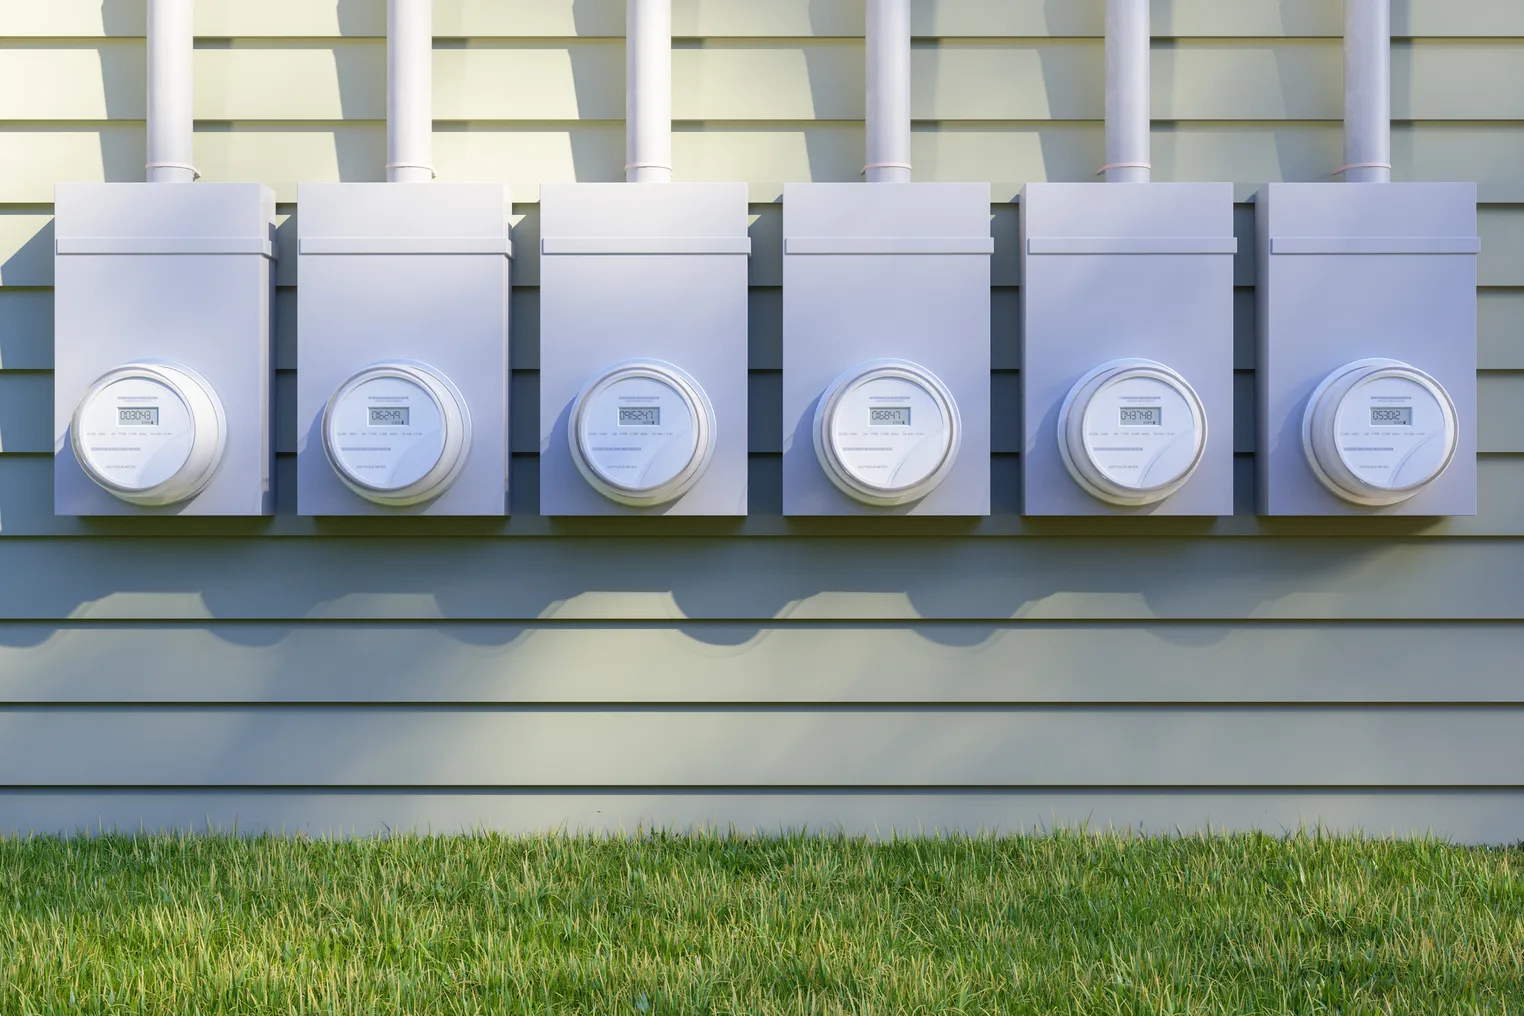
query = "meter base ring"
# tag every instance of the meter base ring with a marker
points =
(1374, 367)
(190, 388)
(446, 397)
(699, 407)
(836, 470)
(1120, 496)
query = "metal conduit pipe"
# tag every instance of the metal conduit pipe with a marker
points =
(1128, 119)
(171, 126)
(888, 92)
(648, 91)
(1367, 91)
(409, 91)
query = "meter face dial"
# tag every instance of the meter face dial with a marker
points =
(637, 431)
(889, 433)
(1378, 431)
(1391, 432)
(1141, 432)
(386, 433)
(135, 433)
(1131, 432)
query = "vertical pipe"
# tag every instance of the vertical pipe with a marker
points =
(1367, 91)
(888, 92)
(1128, 118)
(648, 91)
(409, 91)
(171, 127)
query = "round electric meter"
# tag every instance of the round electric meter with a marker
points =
(397, 433)
(1378, 431)
(150, 433)
(1132, 432)
(887, 432)
(642, 432)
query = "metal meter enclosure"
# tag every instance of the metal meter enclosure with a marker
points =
(643, 349)
(1127, 349)
(402, 357)
(1366, 365)
(162, 339)
(886, 349)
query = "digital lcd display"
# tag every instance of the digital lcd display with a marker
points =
(1391, 416)
(390, 416)
(137, 416)
(640, 416)
(889, 416)
(1142, 416)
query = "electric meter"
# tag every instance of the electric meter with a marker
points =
(1378, 431)
(397, 433)
(887, 432)
(1131, 432)
(642, 432)
(150, 433)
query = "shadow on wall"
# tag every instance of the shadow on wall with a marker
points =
(740, 581)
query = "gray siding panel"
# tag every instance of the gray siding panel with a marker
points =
(695, 746)
(758, 580)
(649, 663)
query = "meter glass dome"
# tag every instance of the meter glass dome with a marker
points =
(642, 432)
(1132, 432)
(1378, 431)
(397, 433)
(150, 433)
(887, 432)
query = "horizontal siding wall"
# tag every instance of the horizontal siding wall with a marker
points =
(871, 675)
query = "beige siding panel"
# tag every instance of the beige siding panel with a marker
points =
(333, 80)
(635, 577)
(290, 80)
(33, 156)
(727, 663)
(803, 18)
(1263, 746)
(1466, 816)
(549, 81)
(101, 80)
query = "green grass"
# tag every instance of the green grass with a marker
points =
(1069, 923)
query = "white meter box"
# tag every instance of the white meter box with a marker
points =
(402, 357)
(161, 382)
(1127, 349)
(643, 355)
(1366, 367)
(886, 349)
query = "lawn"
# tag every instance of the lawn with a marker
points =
(1069, 923)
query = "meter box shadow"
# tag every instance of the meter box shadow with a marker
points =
(1127, 349)
(162, 337)
(643, 349)
(402, 357)
(886, 349)
(1366, 356)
